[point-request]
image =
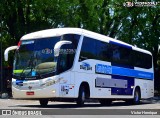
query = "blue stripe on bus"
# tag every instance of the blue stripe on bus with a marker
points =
(115, 70)
(131, 73)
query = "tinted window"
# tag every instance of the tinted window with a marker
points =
(88, 49)
(126, 57)
(35, 58)
(121, 56)
(65, 58)
(142, 60)
(67, 52)
(73, 38)
(103, 51)
(95, 49)
(117, 54)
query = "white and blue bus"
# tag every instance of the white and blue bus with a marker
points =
(76, 64)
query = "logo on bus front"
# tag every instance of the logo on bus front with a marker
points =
(85, 66)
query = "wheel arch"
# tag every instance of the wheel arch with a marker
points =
(139, 89)
(87, 88)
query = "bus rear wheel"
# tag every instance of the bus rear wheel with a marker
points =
(81, 97)
(137, 96)
(43, 102)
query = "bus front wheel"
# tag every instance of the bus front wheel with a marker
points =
(43, 102)
(81, 97)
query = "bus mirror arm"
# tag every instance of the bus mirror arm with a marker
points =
(58, 46)
(7, 51)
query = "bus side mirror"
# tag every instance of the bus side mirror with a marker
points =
(7, 51)
(58, 46)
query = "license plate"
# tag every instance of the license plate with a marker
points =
(30, 93)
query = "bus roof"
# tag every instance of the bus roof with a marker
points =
(62, 31)
(51, 33)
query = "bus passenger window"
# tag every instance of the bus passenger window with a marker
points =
(115, 53)
(88, 50)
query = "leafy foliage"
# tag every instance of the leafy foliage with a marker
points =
(138, 26)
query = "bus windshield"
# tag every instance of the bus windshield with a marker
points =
(35, 57)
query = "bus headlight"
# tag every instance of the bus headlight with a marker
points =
(53, 91)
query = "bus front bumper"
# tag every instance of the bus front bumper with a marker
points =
(48, 92)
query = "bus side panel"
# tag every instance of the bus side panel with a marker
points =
(127, 89)
(95, 92)
(66, 86)
(86, 72)
(146, 87)
(99, 90)
(83, 77)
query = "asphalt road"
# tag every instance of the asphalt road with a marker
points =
(56, 109)
(34, 104)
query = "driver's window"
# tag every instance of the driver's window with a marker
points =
(63, 63)
(65, 58)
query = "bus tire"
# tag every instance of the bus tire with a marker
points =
(43, 102)
(137, 96)
(81, 97)
(105, 102)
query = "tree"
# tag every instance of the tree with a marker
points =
(138, 26)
